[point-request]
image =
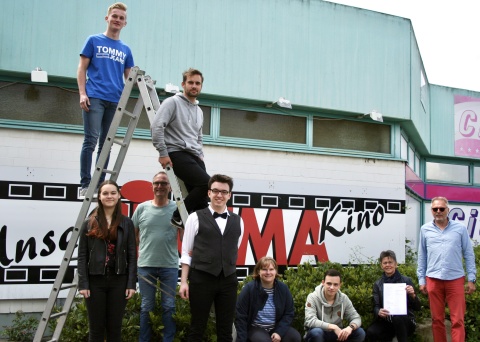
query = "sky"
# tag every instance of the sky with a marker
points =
(446, 33)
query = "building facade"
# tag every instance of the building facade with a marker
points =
(319, 181)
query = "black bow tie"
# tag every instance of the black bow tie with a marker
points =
(224, 215)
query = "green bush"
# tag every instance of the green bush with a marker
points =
(357, 284)
(22, 329)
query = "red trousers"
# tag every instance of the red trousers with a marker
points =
(453, 293)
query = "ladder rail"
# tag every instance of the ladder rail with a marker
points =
(99, 168)
(177, 193)
(149, 101)
(152, 104)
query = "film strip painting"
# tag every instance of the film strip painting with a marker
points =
(54, 192)
(299, 202)
(69, 192)
(33, 275)
(46, 274)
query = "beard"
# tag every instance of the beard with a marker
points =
(192, 93)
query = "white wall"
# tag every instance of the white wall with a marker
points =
(355, 188)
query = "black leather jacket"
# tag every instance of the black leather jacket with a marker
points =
(92, 253)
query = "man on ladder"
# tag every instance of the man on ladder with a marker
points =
(100, 94)
(177, 136)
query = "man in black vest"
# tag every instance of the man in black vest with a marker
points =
(209, 258)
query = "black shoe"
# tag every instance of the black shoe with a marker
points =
(176, 221)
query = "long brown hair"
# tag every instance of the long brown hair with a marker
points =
(98, 220)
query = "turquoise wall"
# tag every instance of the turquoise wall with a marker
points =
(323, 57)
(315, 53)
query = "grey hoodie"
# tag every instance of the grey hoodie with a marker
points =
(177, 126)
(319, 314)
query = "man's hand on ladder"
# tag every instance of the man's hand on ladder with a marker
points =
(164, 161)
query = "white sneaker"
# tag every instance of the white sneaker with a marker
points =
(82, 193)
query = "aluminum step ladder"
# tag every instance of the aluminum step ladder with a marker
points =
(148, 99)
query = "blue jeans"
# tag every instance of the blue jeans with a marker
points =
(320, 335)
(168, 285)
(96, 124)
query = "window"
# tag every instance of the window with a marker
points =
(53, 107)
(351, 135)
(39, 103)
(403, 148)
(31, 102)
(207, 117)
(411, 158)
(262, 126)
(476, 175)
(408, 153)
(443, 172)
(417, 164)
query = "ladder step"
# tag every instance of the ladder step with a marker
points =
(69, 286)
(58, 314)
(119, 142)
(147, 100)
(130, 114)
(111, 172)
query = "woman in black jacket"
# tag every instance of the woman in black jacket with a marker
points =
(265, 307)
(107, 264)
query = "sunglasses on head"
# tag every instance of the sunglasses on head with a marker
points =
(437, 209)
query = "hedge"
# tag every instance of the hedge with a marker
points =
(357, 282)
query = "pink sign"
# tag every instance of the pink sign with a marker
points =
(467, 126)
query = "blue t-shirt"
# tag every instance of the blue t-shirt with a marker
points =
(108, 60)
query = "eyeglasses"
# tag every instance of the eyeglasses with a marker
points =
(223, 192)
(160, 183)
(437, 209)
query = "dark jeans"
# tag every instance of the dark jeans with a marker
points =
(383, 330)
(191, 170)
(205, 289)
(106, 306)
(256, 334)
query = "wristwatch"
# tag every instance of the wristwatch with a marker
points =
(352, 326)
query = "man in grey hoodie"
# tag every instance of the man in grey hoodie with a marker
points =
(325, 310)
(177, 136)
